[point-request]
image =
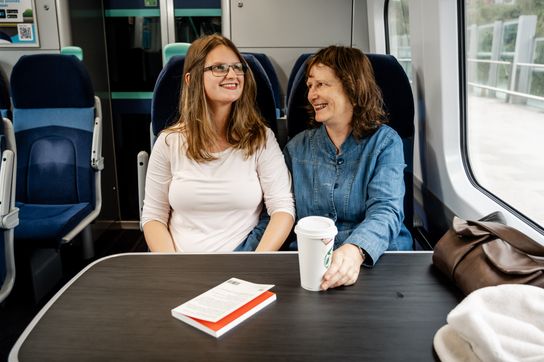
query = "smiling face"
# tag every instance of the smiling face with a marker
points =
(226, 89)
(328, 98)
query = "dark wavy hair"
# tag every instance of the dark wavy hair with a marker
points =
(355, 72)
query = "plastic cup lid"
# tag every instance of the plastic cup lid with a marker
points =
(316, 226)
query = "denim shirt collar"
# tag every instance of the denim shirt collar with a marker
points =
(327, 145)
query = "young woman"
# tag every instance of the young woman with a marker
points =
(210, 172)
(349, 168)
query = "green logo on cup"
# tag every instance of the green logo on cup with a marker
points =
(328, 258)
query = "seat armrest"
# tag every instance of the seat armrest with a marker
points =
(143, 160)
(6, 185)
(10, 220)
(97, 161)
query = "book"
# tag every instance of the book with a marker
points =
(225, 306)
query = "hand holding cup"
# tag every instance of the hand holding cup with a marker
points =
(315, 237)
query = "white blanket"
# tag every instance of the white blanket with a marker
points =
(502, 323)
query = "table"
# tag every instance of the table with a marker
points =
(118, 309)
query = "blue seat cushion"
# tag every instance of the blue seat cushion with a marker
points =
(49, 222)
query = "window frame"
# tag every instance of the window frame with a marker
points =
(463, 97)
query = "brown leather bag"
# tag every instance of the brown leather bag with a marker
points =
(477, 254)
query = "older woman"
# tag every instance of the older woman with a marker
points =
(350, 167)
(210, 172)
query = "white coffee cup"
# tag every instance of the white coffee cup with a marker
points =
(315, 238)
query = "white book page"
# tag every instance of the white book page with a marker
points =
(222, 300)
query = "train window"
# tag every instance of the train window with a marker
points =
(196, 18)
(504, 51)
(134, 49)
(398, 30)
(188, 28)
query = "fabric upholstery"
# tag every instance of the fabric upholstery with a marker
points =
(49, 222)
(53, 119)
(165, 101)
(51, 81)
(265, 95)
(5, 104)
(53, 166)
(61, 117)
(272, 77)
(298, 63)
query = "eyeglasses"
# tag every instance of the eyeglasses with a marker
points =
(221, 70)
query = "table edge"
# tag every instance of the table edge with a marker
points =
(14, 353)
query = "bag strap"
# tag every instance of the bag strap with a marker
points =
(514, 237)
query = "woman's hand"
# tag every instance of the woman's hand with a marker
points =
(345, 267)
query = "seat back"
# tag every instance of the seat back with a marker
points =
(165, 101)
(264, 60)
(54, 120)
(296, 67)
(399, 105)
(265, 94)
(5, 104)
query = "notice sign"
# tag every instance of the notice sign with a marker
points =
(18, 26)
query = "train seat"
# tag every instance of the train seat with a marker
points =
(8, 212)
(265, 93)
(165, 101)
(174, 49)
(398, 102)
(264, 60)
(164, 112)
(58, 130)
(5, 104)
(296, 67)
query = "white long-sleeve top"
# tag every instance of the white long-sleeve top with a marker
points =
(213, 206)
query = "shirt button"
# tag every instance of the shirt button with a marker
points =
(336, 185)
(340, 161)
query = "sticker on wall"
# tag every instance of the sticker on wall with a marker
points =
(18, 26)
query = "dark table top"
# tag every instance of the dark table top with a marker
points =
(119, 309)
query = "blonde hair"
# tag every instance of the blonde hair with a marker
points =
(246, 129)
(355, 72)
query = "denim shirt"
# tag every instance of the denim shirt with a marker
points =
(361, 188)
